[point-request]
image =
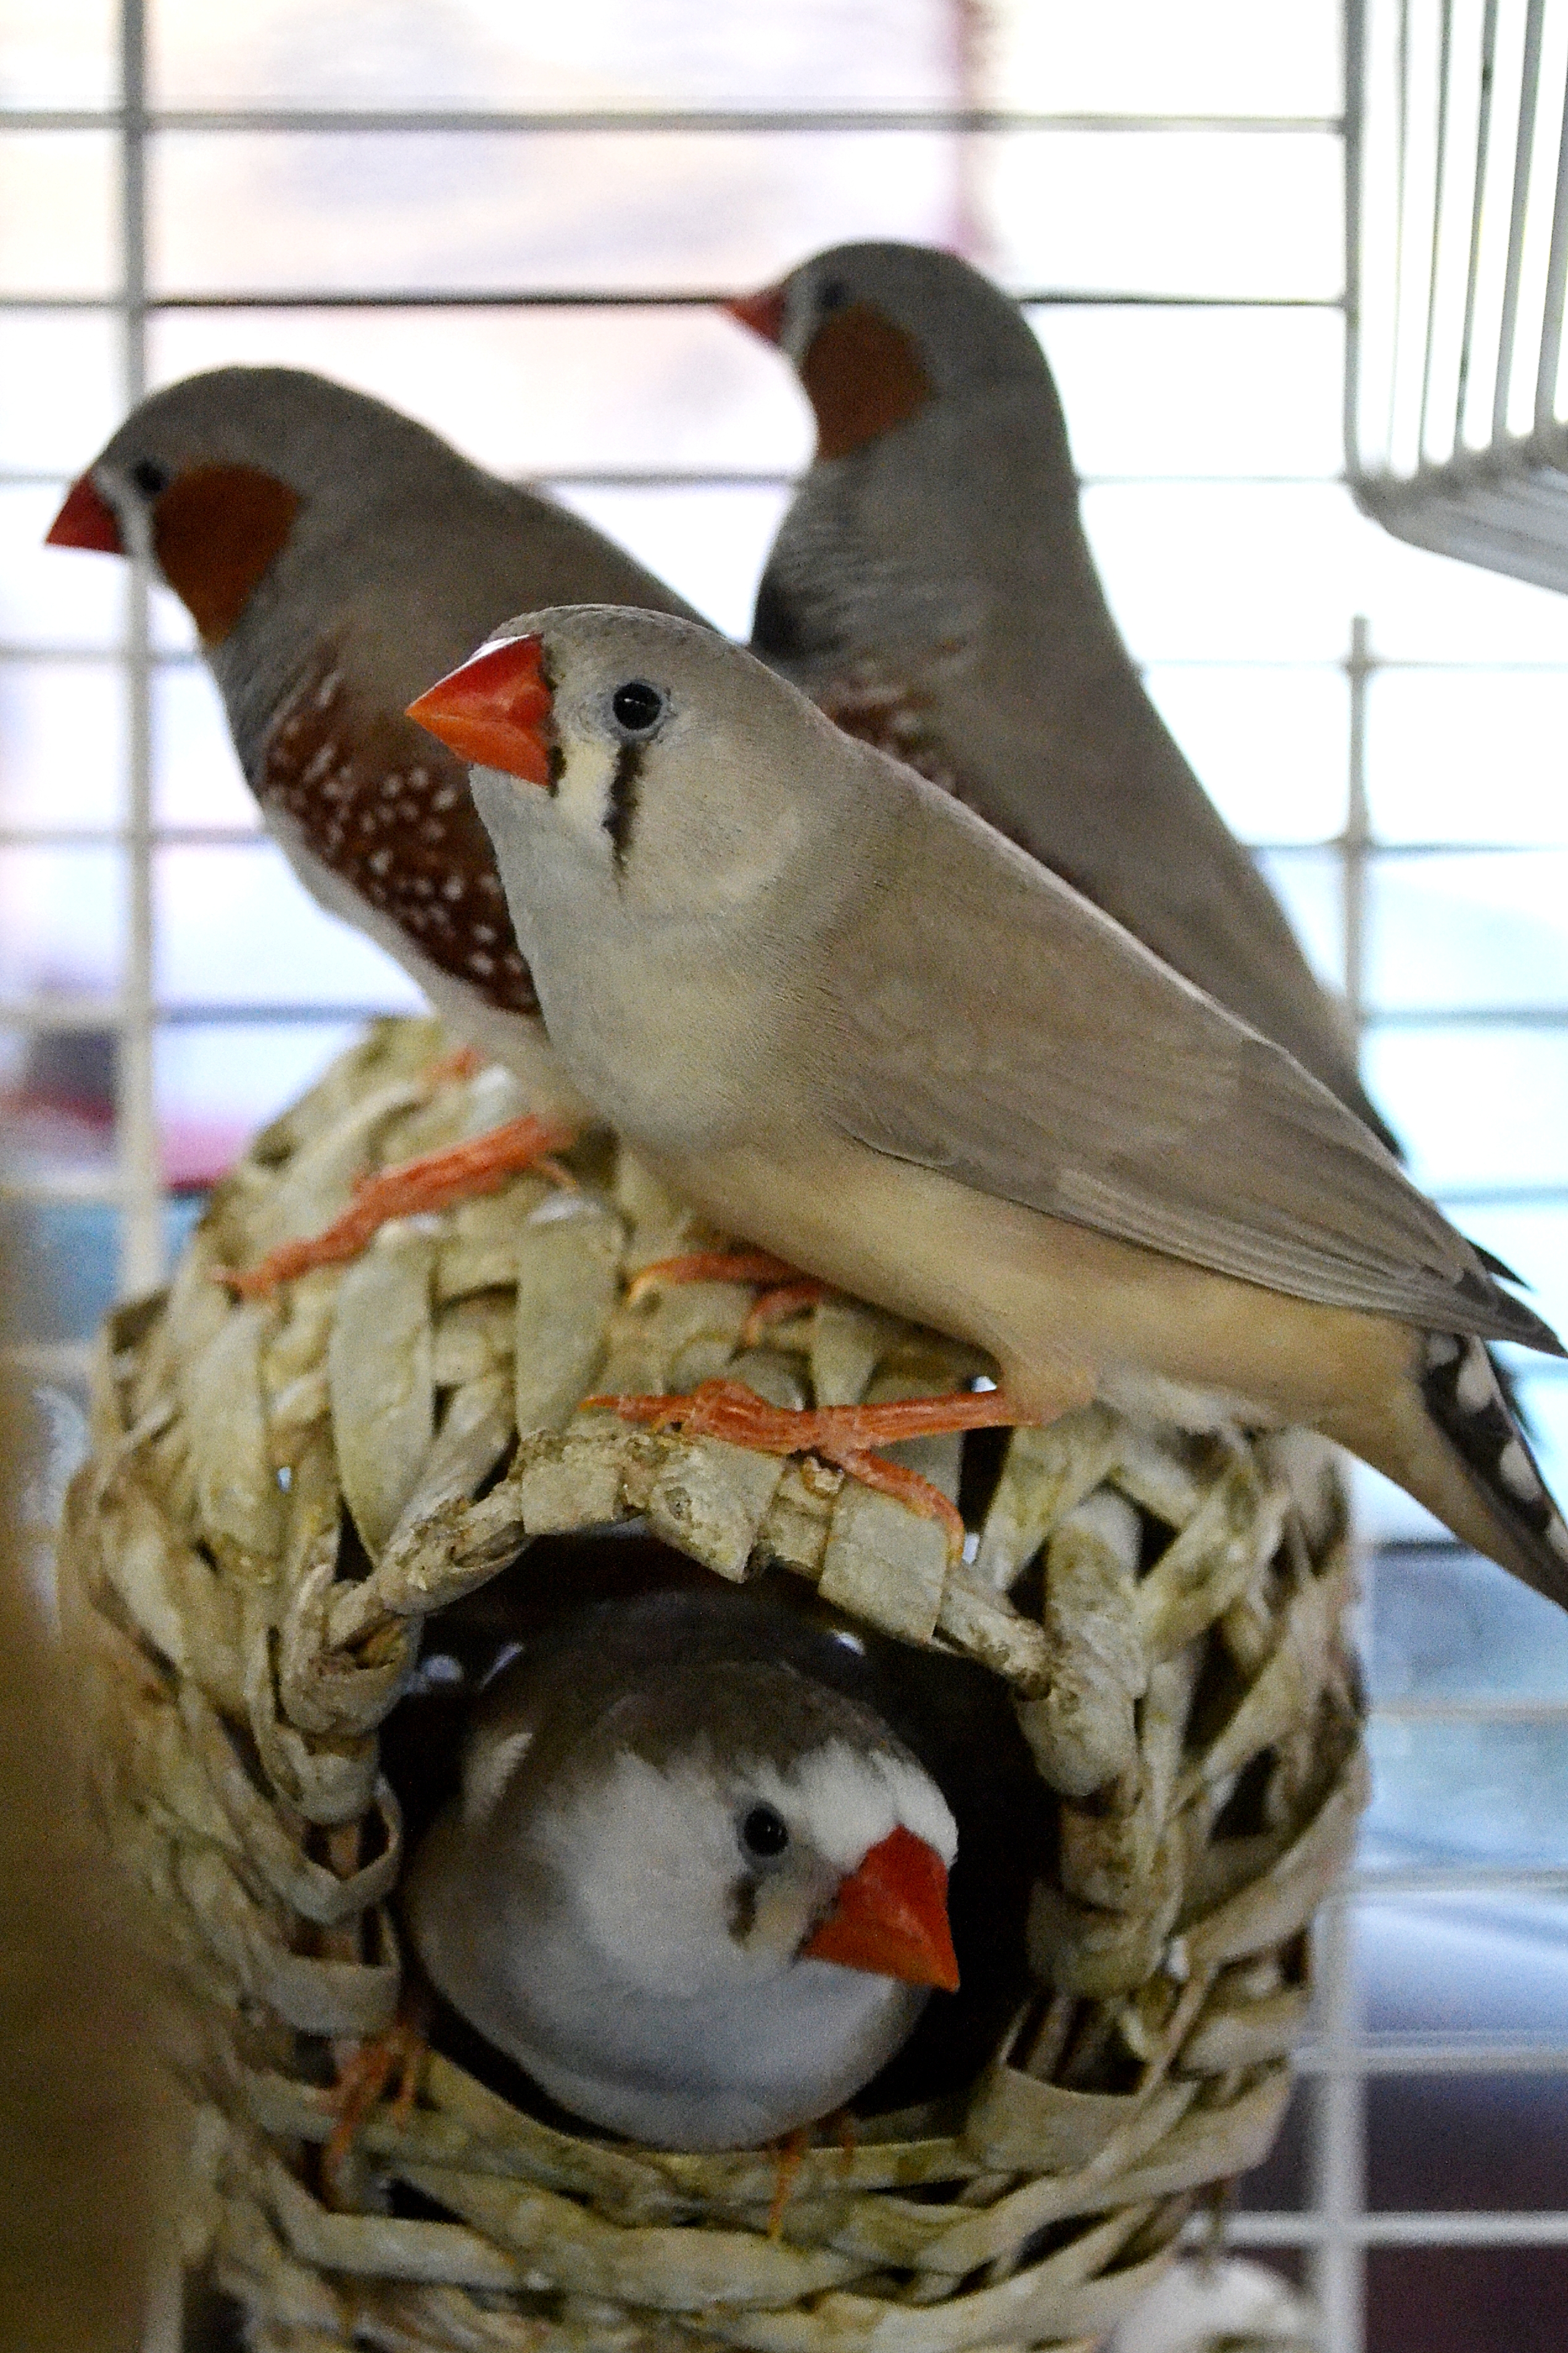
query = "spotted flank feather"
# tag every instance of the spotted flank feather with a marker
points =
(1464, 1396)
(387, 810)
(896, 719)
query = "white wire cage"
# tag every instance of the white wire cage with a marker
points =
(1167, 123)
(1457, 401)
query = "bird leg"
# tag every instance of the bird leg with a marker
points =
(462, 1062)
(846, 2131)
(792, 2151)
(364, 2075)
(791, 2157)
(784, 1291)
(840, 1434)
(458, 1172)
(783, 1299)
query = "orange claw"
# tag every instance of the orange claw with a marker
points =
(791, 2157)
(792, 2152)
(363, 2078)
(785, 1291)
(841, 1434)
(783, 1299)
(462, 1062)
(847, 2137)
(711, 1266)
(434, 1181)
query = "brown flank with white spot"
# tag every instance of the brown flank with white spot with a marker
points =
(388, 811)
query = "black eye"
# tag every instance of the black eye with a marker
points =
(765, 1832)
(832, 295)
(638, 707)
(150, 479)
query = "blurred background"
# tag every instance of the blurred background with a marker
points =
(514, 222)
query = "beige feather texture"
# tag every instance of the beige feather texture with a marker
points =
(1042, 1057)
(867, 1031)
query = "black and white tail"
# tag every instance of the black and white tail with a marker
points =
(1464, 1396)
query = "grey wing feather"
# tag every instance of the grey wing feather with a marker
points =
(989, 1024)
(1097, 790)
(992, 640)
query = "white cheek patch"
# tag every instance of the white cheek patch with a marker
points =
(650, 1857)
(848, 1801)
(582, 786)
(513, 827)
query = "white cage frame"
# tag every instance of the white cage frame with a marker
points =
(1334, 2228)
(1457, 402)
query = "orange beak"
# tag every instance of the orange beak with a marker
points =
(495, 711)
(763, 312)
(890, 1916)
(85, 521)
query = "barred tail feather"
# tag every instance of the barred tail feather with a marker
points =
(1464, 1401)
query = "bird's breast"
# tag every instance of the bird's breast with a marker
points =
(676, 1045)
(663, 1055)
(719, 2072)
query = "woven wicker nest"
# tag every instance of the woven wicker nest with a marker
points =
(281, 1498)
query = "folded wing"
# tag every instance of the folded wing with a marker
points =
(988, 1022)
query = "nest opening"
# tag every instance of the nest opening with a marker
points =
(316, 1521)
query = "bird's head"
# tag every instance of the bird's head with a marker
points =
(214, 478)
(879, 333)
(737, 1821)
(639, 758)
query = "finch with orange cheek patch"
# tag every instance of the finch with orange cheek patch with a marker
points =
(336, 556)
(931, 588)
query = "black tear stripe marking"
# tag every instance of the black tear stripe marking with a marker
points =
(1460, 1386)
(556, 765)
(622, 812)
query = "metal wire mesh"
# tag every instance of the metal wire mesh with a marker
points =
(1335, 2227)
(1461, 249)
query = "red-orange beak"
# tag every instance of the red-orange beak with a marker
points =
(85, 521)
(890, 1916)
(495, 711)
(763, 312)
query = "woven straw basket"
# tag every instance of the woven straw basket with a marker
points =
(281, 1498)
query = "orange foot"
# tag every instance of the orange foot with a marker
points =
(792, 2152)
(462, 1062)
(791, 2157)
(785, 1290)
(434, 1181)
(364, 2076)
(840, 1434)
